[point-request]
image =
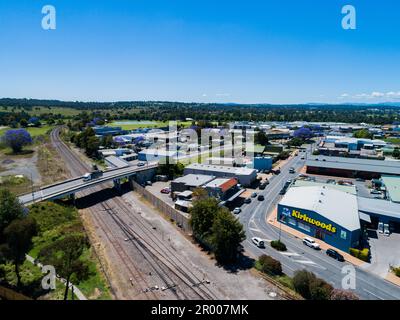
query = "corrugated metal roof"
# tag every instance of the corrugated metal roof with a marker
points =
(337, 206)
(355, 164)
(392, 184)
(380, 207)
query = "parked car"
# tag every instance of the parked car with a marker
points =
(386, 230)
(283, 191)
(302, 158)
(140, 164)
(335, 255)
(380, 227)
(247, 200)
(260, 198)
(258, 242)
(254, 194)
(374, 191)
(149, 183)
(311, 243)
(237, 210)
(165, 190)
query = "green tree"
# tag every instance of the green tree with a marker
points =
(227, 235)
(18, 237)
(261, 138)
(23, 123)
(295, 142)
(202, 216)
(171, 170)
(396, 153)
(64, 255)
(363, 134)
(310, 287)
(92, 146)
(10, 209)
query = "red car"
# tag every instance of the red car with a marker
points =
(166, 190)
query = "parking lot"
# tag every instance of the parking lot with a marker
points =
(385, 252)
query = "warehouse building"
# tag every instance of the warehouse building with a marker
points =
(190, 182)
(245, 176)
(351, 167)
(392, 185)
(323, 213)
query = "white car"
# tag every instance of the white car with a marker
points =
(311, 243)
(258, 242)
(386, 231)
(237, 210)
(380, 227)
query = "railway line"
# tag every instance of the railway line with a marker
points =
(153, 269)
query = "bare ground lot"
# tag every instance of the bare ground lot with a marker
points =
(231, 284)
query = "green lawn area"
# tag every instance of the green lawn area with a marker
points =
(34, 132)
(393, 140)
(43, 110)
(132, 125)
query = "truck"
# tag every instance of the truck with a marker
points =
(95, 174)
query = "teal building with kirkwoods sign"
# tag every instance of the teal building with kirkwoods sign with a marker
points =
(322, 213)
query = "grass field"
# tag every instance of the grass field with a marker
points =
(34, 132)
(393, 140)
(132, 125)
(68, 112)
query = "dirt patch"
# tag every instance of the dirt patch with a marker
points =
(50, 165)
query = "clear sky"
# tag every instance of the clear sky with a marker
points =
(287, 51)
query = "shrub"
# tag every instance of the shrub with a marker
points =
(338, 294)
(360, 254)
(278, 245)
(396, 271)
(310, 287)
(269, 265)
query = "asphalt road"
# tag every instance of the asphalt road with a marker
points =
(299, 256)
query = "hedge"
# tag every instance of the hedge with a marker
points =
(360, 254)
(278, 245)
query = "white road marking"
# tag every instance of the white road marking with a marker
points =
(294, 254)
(305, 262)
(373, 294)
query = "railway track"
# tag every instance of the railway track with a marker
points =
(130, 236)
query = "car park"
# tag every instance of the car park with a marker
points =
(311, 243)
(237, 210)
(258, 242)
(334, 254)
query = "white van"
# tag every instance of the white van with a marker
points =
(258, 242)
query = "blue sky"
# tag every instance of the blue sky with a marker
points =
(288, 51)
